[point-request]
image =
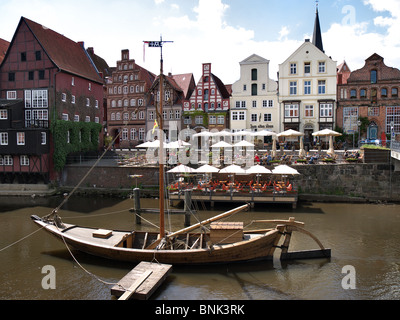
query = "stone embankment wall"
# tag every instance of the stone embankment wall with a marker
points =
(373, 182)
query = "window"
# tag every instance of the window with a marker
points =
(395, 92)
(43, 138)
(309, 111)
(73, 81)
(254, 89)
(112, 118)
(363, 93)
(307, 68)
(140, 102)
(90, 87)
(242, 115)
(73, 99)
(87, 102)
(126, 116)
(373, 111)
(206, 94)
(198, 120)
(293, 88)
(3, 138)
(353, 94)
(124, 134)
(151, 115)
(393, 115)
(20, 138)
(212, 119)
(253, 117)
(63, 97)
(187, 120)
(41, 74)
(76, 118)
(31, 75)
(350, 118)
(96, 119)
(23, 56)
(64, 116)
(374, 76)
(87, 119)
(141, 115)
(3, 115)
(321, 67)
(24, 160)
(171, 114)
(307, 87)
(235, 115)
(238, 115)
(133, 134)
(126, 102)
(384, 93)
(293, 68)
(291, 110)
(36, 99)
(254, 74)
(177, 114)
(221, 119)
(321, 87)
(38, 55)
(254, 103)
(11, 76)
(141, 134)
(267, 117)
(11, 95)
(244, 87)
(326, 110)
(6, 161)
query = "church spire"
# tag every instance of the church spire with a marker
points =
(317, 36)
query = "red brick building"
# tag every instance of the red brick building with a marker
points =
(209, 105)
(371, 92)
(44, 78)
(127, 101)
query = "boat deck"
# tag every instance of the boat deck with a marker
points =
(87, 234)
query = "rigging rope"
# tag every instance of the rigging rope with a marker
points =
(86, 175)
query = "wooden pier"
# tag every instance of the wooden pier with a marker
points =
(142, 281)
(250, 197)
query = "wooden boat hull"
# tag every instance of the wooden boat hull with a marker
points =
(253, 247)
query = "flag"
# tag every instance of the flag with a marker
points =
(155, 126)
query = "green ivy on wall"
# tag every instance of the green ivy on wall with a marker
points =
(83, 136)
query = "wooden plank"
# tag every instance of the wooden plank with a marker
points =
(306, 254)
(148, 287)
(100, 233)
(132, 289)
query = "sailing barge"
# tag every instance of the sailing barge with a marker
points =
(225, 242)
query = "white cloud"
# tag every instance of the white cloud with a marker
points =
(158, 1)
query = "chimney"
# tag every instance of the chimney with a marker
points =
(81, 43)
(90, 51)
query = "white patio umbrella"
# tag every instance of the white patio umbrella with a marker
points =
(257, 169)
(284, 169)
(151, 144)
(233, 168)
(206, 169)
(181, 169)
(177, 144)
(204, 133)
(243, 143)
(221, 144)
(223, 133)
(263, 133)
(293, 133)
(328, 133)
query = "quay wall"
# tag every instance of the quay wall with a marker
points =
(367, 181)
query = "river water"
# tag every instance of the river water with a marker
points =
(364, 238)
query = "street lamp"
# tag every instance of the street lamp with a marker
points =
(359, 138)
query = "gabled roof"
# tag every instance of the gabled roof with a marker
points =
(66, 54)
(254, 59)
(221, 87)
(3, 49)
(186, 83)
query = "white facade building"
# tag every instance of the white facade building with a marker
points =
(254, 101)
(307, 88)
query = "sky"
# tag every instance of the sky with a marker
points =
(220, 32)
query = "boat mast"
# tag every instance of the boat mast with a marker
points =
(159, 44)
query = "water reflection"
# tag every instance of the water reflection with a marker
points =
(362, 235)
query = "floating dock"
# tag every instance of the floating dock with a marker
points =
(142, 281)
